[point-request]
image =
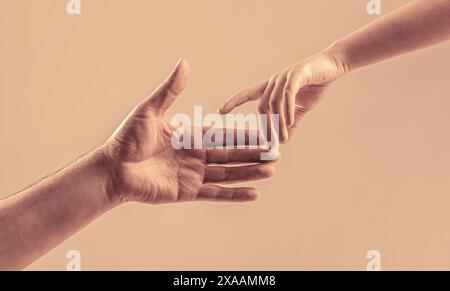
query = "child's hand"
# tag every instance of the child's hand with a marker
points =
(293, 91)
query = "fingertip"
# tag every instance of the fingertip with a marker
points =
(179, 77)
(253, 194)
(181, 70)
(284, 138)
(267, 170)
(183, 63)
(223, 109)
(272, 171)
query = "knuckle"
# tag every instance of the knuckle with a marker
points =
(227, 174)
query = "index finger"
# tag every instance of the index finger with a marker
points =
(249, 94)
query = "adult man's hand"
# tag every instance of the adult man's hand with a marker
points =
(145, 167)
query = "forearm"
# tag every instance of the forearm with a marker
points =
(39, 218)
(417, 25)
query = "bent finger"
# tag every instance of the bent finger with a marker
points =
(290, 90)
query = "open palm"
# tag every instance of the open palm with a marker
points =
(149, 169)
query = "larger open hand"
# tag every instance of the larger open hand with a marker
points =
(146, 168)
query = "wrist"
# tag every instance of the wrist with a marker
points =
(104, 170)
(338, 52)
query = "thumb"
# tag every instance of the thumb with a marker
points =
(163, 97)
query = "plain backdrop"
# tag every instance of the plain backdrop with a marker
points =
(367, 170)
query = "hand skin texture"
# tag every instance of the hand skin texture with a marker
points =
(137, 163)
(296, 90)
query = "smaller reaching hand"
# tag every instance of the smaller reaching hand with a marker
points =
(146, 168)
(293, 91)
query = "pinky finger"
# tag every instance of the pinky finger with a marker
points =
(223, 194)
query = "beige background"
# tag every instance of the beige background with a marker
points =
(369, 169)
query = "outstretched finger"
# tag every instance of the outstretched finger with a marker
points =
(249, 94)
(230, 137)
(226, 156)
(215, 137)
(222, 194)
(220, 174)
